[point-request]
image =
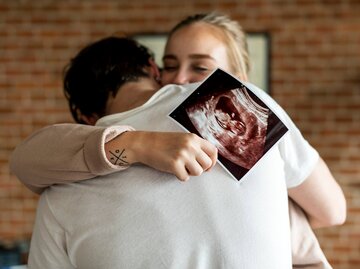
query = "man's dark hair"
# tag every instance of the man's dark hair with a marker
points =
(99, 70)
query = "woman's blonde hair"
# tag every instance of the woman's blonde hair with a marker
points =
(234, 38)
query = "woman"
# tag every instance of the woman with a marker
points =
(212, 40)
(219, 42)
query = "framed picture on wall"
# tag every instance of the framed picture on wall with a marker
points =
(259, 48)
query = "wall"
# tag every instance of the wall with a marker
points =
(315, 76)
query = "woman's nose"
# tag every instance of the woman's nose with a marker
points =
(181, 77)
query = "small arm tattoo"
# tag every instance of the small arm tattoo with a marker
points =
(118, 157)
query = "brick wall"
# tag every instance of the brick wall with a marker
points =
(315, 76)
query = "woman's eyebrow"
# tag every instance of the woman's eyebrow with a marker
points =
(169, 57)
(201, 56)
(192, 56)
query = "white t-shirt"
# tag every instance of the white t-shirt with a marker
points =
(149, 219)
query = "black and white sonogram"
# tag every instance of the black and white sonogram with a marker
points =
(225, 112)
(234, 123)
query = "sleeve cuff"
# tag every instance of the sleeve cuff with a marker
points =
(94, 149)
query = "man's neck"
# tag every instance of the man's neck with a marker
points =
(132, 95)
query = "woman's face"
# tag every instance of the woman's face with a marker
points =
(192, 53)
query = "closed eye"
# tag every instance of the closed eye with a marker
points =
(170, 68)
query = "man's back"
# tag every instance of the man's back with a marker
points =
(156, 221)
(149, 219)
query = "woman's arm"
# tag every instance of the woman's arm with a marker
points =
(66, 153)
(63, 153)
(321, 197)
(309, 180)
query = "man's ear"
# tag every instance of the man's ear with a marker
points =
(89, 120)
(154, 69)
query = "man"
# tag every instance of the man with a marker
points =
(147, 218)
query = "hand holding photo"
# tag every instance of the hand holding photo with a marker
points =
(225, 112)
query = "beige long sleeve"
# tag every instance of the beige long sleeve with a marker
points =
(63, 153)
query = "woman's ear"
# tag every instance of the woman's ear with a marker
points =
(242, 76)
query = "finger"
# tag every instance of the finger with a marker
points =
(211, 152)
(181, 172)
(194, 168)
(204, 160)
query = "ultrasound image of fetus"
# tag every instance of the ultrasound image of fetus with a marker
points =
(234, 123)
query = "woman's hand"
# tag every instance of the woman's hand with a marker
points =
(181, 154)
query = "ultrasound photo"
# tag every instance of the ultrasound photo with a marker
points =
(234, 123)
(225, 112)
